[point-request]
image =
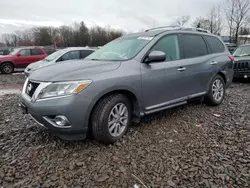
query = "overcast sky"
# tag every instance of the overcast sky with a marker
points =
(129, 15)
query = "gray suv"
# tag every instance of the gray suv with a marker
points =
(132, 76)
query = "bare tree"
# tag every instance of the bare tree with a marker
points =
(215, 20)
(237, 14)
(229, 11)
(212, 22)
(181, 21)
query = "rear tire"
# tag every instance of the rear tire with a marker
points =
(217, 91)
(7, 68)
(111, 118)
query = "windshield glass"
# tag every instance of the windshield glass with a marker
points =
(14, 51)
(120, 49)
(54, 55)
(242, 51)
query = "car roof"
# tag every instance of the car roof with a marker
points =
(244, 45)
(168, 29)
(78, 48)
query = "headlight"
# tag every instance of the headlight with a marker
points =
(57, 89)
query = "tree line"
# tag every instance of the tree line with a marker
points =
(77, 34)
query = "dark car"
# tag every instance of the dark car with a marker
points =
(242, 61)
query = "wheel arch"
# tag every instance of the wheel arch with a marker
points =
(8, 61)
(132, 97)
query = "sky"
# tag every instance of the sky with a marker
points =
(128, 15)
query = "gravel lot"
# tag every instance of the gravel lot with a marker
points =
(189, 146)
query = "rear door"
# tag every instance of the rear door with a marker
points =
(23, 58)
(197, 63)
(220, 57)
(37, 55)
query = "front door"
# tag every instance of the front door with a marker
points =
(164, 83)
(23, 59)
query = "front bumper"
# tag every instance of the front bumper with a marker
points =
(242, 74)
(70, 107)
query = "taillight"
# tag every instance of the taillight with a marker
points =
(231, 58)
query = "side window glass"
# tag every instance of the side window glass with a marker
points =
(36, 52)
(170, 46)
(71, 55)
(215, 44)
(25, 53)
(193, 46)
(85, 53)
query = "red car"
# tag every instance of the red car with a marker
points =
(21, 58)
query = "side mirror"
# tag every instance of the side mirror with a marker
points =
(155, 56)
(18, 55)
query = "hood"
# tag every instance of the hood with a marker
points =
(38, 64)
(73, 70)
(242, 58)
(5, 57)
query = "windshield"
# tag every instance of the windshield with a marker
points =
(242, 51)
(120, 49)
(54, 55)
(14, 51)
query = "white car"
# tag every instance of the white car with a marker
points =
(60, 56)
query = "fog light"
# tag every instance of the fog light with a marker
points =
(61, 120)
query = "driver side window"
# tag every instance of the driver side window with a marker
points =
(170, 46)
(25, 53)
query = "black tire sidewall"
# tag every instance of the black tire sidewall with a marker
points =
(210, 97)
(2, 68)
(103, 119)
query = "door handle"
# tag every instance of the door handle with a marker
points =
(213, 63)
(181, 69)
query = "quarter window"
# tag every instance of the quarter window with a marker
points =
(25, 53)
(215, 44)
(193, 46)
(170, 46)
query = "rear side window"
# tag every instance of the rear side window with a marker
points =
(193, 46)
(36, 52)
(215, 44)
(85, 53)
(170, 46)
(71, 55)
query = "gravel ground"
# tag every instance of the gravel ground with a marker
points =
(12, 80)
(189, 146)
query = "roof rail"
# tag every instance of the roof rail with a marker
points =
(195, 29)
(163, 27)
(180, 28)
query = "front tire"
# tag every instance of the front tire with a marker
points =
(7, 68)
(216, 91)
(111, 118)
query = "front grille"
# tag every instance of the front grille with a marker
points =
(31, 88)
(241, 66)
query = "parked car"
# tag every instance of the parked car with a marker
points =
(5, 50)
(20, 58)
(60, 56)
(132, 76)
(242, 61)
